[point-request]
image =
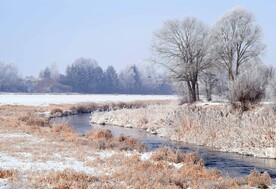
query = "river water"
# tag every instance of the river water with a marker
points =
(230, 164)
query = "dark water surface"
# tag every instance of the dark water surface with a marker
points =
(230, 164)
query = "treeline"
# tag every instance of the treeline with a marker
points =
(86, 76)
(224, 58)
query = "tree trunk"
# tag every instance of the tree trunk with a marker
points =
(197, 92)
(230, 75)
(230, 70)
(208, 92)
(192, 91)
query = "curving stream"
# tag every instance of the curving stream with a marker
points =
(230, 164)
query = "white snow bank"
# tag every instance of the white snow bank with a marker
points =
(46, 99)
(146, 156)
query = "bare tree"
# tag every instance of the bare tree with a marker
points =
(209, 79)
(236, 40)
(181, 47)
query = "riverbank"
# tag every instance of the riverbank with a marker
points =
(215, 125)
(36, 154)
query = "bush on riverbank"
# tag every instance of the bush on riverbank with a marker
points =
(103, 139)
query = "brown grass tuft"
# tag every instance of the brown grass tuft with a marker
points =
(7, 174)
(128, 143)
(63, 128)
(256, 179)
(34, 120)
(56, 111)
(67, 179)
(175, 156)
(66, 132)
(101, 133)
(103, 139)
(90, 107)
(84, 108)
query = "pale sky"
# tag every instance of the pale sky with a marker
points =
(36, 33)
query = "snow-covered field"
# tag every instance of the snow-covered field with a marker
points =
(46, 99)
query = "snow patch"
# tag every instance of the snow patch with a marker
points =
(4, 184)
(14, 135)
(146, 156)
(9, 162)
(177, 165)
(26, 154)
(46, 99)
(106, 154)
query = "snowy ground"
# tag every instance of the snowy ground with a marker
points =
(46, 99)
(32, 156)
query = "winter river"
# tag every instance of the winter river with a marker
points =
(228, 163)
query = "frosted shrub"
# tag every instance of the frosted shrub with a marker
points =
(248, 88)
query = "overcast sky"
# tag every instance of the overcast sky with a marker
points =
(36, 33)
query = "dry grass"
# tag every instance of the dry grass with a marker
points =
(67, 179)
(127, 143)
(214, 125)
(125, 171)
(256, 179)
(98, 139)
(170, 155)
(160, 173)
(250, 132)
(59, 128)
(7, 174)
(57, 111)
(66, 132)
(24, 118)
(151, 118)
(85, 108)
(98, 134)
(144, 174)
(103, 139)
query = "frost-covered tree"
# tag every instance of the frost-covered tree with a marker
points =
(54, 72)
(45, 73)
(8, 76)
(80, 75)
(237, 40)
(98, 80)
(50, 73)
(153, 82)
(112, 80)
(129, 80)
(136, 78)
(182, 48)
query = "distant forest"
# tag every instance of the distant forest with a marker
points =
(86, 76)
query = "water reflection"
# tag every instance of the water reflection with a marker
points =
(228, 163)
